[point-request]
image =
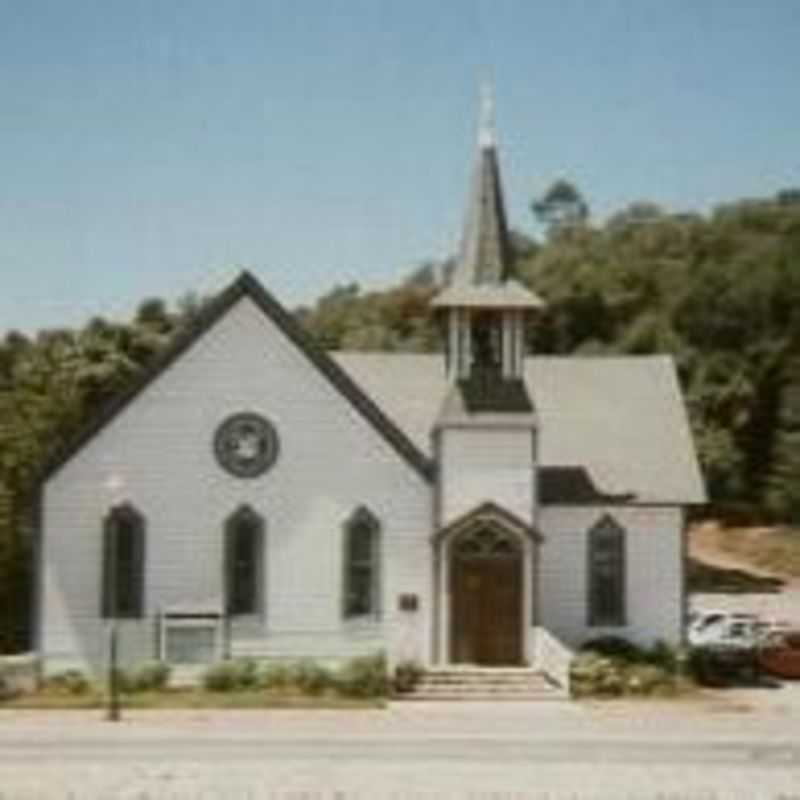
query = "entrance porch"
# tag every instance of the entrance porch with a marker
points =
(486, 604)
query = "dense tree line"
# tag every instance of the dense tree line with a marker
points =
(50, 385)
(720, 292)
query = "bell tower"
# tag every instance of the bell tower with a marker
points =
(485, 309)
(485, 435)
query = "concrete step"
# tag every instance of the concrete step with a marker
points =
(504, 680)
(477, 683)
(412, 697)
(491, 690)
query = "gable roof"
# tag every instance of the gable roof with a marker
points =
(610, 429)
(488, 512)
(246, 285)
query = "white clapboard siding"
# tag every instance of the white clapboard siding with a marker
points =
(487, 464)
(654, 570)
(331, 461)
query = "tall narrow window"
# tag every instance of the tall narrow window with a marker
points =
(606, 574)
(362, 565)
(123, 563)
(244, 557)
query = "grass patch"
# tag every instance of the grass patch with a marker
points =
(192, 699)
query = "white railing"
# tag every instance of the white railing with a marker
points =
(552, 657)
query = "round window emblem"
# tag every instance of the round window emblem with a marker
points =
(246, 445)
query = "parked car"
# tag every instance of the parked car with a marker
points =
(725, 645)
(779, 653)
(725, 630)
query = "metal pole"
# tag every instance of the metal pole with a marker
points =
(113, 713)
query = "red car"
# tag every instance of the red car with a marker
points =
(779, 654)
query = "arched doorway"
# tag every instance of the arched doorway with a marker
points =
(486, 592)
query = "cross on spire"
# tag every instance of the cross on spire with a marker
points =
(487, 129)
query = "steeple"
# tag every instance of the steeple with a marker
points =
(485, 305)
(485, 247)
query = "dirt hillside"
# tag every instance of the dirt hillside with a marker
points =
(760, 551)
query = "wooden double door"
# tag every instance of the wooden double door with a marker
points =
(486, 604)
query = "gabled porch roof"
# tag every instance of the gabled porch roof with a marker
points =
(488, 513)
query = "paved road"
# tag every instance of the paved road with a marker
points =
(491, 749)
(480, 752)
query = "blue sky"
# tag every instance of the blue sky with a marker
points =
(152, 148)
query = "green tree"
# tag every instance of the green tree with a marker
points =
(561, 206)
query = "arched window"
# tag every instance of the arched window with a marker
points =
(244, 562)
(362, 588)
(606, 563)
(123, 563)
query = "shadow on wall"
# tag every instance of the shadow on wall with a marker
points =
(710, 579)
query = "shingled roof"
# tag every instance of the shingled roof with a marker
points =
(610, 429)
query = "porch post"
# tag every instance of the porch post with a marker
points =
(444, 595)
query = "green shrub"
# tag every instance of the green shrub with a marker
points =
(221, 677)
(614, 647)
(664, 656)
(620, 649)
(230, 676)
(246, 673)
(71, 681)
(310, 677)
(406, 676)
(596, 675)
(124, 680)
(630, 672)
(149, 676)
(275, 676)
(364, 677)
(648, 679)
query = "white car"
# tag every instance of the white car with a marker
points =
(724, 630)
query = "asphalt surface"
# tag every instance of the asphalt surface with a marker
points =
(475, 749)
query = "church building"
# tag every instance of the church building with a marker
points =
(255, 495)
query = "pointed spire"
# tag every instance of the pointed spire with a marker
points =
(483, 276)
(485, 247)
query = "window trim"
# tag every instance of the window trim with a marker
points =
(363, 516)
(126, 512)
(606, 525)
(246, 513)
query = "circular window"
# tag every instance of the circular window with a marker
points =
(246, 445)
